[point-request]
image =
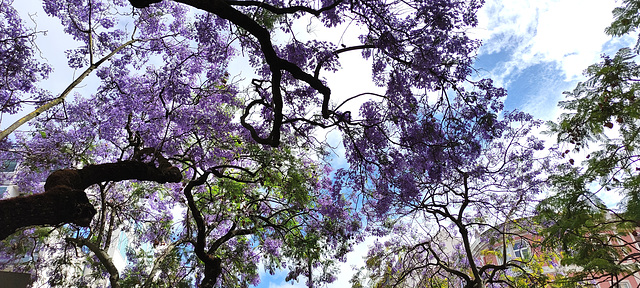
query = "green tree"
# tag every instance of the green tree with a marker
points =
(602, 119)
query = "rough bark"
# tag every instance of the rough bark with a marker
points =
(64, 200)
(212, 270)
(212, 264)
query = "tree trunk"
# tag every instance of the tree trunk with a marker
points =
(212, 270)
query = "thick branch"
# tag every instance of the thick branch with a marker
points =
(212, 265)
(276, 64)
(119, 171)
(64, 200)
(285, 10)
(230, 234)
(53, 207)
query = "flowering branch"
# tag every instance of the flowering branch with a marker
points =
(4, 133)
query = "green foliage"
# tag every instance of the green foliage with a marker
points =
(137, 274)
(266, 18)
(605, 101)
(603, 118)
(626, 20)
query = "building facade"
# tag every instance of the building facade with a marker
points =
(523, 248)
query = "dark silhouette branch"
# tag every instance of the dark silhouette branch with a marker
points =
(316, 73)
(212, 265)
(64, 200)
(276, 64)
(285, 10)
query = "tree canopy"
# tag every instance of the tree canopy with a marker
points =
(601, 122)
(211, 177)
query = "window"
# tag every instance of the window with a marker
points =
(636, 237)
(123, 244)
(623, 284)
(521, 249)
(8, 166)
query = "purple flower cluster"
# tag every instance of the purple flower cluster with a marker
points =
(21, 69)
(435, 149)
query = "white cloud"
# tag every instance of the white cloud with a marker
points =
(544, 45)
(355, 260)
(569, 33)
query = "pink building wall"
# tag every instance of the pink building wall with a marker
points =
(631, 242)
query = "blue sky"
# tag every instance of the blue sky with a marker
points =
(535, 49)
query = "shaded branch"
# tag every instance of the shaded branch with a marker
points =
(276, 64)
(212, 265)
(233, 232)
(285, 10)
(64, 200)
(316, 73)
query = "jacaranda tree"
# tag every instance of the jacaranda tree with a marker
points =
(444, 214)
(225, 176)
(163, 112)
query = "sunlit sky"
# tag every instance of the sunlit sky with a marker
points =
(535, 49)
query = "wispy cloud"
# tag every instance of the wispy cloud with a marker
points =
(569, 33)
(538, 49)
